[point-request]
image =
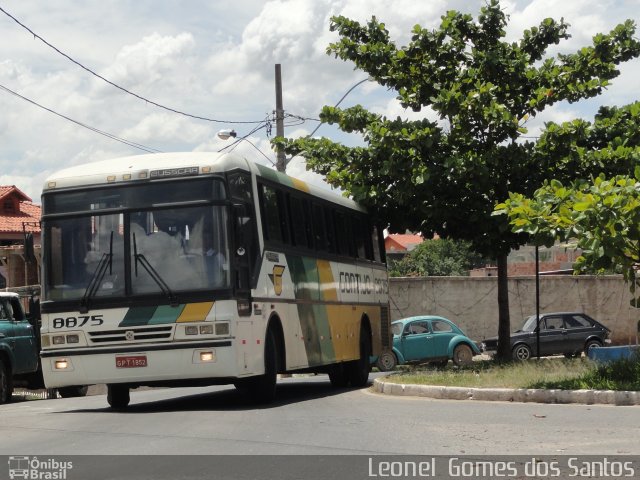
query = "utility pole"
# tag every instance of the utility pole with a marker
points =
(280, 158)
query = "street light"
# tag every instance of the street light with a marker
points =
(227, 134)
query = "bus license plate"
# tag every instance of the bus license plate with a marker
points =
(131, 361)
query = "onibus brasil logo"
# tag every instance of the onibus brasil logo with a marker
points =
(32, 468)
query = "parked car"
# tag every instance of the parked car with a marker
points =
(561, 333)
(19, 350)
(428, 338)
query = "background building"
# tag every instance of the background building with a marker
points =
(19, 217)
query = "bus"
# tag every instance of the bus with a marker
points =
(192, 269)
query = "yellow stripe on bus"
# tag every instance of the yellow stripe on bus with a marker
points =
(195, 312)
(344, 322)
(300, 185)
(328, 286)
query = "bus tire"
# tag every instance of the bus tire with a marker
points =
(118, 396)
(262, 389)
(71, 392)
(6, 383)
(358, 370)
(338, 375)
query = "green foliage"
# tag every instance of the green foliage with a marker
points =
(574, 374)
(446, 176)
(621, 375)
(437, 258)
(602, 215)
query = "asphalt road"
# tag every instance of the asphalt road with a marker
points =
(309, 417)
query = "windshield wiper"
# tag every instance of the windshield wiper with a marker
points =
(106, 262)
(153, 273)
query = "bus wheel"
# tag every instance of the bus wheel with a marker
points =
(118, 396)
(6, 383)
(338, 376)
(358, 370)
(262, 389)
(70, 392)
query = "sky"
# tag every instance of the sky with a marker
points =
(215, 59)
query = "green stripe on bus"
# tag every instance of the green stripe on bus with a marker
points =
(274, 176)
(305, 278)
(317, 335)
(137, 316)
(166, 314)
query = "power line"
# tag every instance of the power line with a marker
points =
(340, 101)
(233, 145)
(197, 117)
(93, 129)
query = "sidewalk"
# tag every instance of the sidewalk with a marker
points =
(588, 397)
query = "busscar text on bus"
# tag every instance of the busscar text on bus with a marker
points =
(206, 268)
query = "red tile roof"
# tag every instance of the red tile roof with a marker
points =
(8, 190)
(28, 212)
(401, 242)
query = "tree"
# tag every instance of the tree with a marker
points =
(602, 214)
(438, 257)
(447, 176)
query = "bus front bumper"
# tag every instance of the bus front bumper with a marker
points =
(141, 364)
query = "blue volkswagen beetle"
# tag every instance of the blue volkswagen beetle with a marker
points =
(428, 338)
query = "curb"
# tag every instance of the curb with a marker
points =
(524, 395)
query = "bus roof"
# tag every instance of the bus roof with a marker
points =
(136, 168)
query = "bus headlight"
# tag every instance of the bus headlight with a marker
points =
(191, 330)
(207, 356)
(222, 328)
(58, 339)
(61, 364)
(206, 329)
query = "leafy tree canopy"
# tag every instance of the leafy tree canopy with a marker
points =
(447, 176)
(603, 214)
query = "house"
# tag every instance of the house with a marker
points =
(18, 216)
(398, 245)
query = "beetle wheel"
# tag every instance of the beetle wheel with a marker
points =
(462, 355)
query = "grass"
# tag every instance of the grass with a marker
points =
(556, 373)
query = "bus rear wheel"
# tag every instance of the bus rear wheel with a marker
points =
(338, 375)
(358, 370)
(118, 396)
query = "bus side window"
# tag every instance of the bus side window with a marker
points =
(359, 235)
(300, 225)
(343, 230)
(273, 212)
(319, 234)
(240, 187)
(375, 241)
(330, 231)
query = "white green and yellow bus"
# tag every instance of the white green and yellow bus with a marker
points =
(185, 269)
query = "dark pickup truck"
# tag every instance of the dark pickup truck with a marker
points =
(19, 350)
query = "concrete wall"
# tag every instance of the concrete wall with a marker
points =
(472, 302)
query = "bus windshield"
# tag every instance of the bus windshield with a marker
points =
(150, 251)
